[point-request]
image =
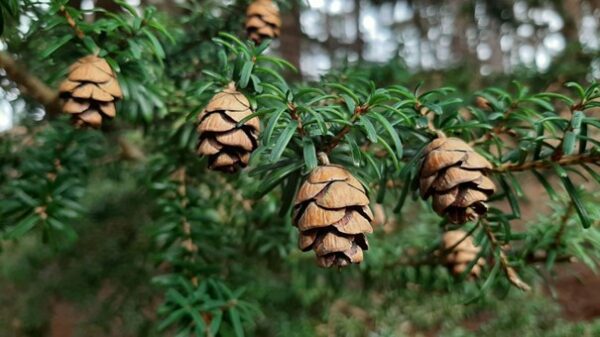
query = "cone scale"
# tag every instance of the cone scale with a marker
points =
(262, 21)
(227, 145)
(90, 91)
(460, 251)
(332, 213)
(455, 176)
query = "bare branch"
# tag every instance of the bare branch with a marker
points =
(30, 84)
(511, 274)
(545, 163)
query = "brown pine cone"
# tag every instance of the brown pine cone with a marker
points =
(332, 213)
(227, 145)
(90, 91)
(456, 176)
(464, 252)
(262, 21)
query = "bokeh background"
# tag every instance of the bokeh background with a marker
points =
(99, 286)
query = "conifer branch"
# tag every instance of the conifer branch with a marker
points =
(187, 243)
(78, 32)
(358, 111)
(546, 163)
(294, 115)
(511, 274)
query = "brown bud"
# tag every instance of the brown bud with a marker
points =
(379, 219)
(333, 215)
(459, 251)
(227, 145)
(262, 20)
(456, 176)
(482, 103)
(90, 91)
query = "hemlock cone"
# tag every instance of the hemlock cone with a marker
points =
(227, 145)
(455, 175)
(332, 213)
(90, 91)
(458, 258)
(262, 21)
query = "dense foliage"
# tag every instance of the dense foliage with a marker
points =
(133, 210)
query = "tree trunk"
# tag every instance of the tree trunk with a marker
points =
(109, 5)
(291, 37)
(359, 44)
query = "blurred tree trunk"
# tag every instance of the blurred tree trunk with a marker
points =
(420, 25)
(109, 5)
(359, 43)
(462, 21)
(291, 37)
(75, 3)
(572, 18)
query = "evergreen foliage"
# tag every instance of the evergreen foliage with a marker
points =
(133, 209)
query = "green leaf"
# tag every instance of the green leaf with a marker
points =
(549, 189)
(22, 227)
(156, 46)
(283, 141)
(569, 142)
(236, 322)
(349, 103)
(215, 324)
(577, 87)
(345, 90)
(200, 325)
(272, 123)
(127, 7)
(242, 47)
(393, 134)
(90, 45)
(369, 128)
(245, 74)
(54, 46)
(310, 154)
(173, 317)
(512, 199)
(574, 195)
(289, 189)
(389, 149)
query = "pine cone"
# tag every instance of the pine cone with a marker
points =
(459, 258)
(90, 91)
(456, 177)
(332, 213)
(227, 146)
(262, 20)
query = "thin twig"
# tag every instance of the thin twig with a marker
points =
(511, 274)
(78, 32)
(498, 129)
(187, 242)
(425, 113)
(545, 163)
(358, 111)
(295, 116)
(563, 223)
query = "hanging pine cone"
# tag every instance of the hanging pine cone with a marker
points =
(461, 253)
(262, 21)
(90, 91)
(332, 213)
(455, 175)
(227, 145)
